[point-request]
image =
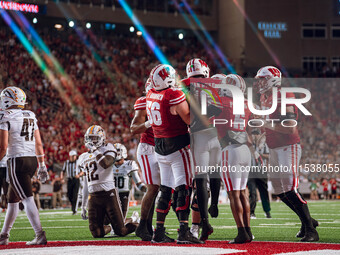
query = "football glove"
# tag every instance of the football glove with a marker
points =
(84, 214)
(42, 173)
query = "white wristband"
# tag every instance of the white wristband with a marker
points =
(40, 156)
(147, 124)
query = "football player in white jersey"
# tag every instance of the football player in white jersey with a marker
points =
(123, 171)
(99, 188)
(20, 138)
(3, 182)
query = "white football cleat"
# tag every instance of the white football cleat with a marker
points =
(135, 217)
(4, 239)
(38, 240)
(195, 230)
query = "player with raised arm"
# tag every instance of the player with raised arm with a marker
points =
(284, 150)
(20, 137)
(147, 160)
(169, 115)
(206, 152)
(123, 171)
(99, 188)
(236, 156)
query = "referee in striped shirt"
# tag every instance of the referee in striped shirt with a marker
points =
(70, 169)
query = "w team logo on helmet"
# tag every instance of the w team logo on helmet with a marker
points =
(12, 96)
(163, 76)
(121, 151)
(197, 66)
(266, 78)
(94, 137)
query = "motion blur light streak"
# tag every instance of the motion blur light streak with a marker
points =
(210, 39)
(53, 70)
(147, 37)
(25, 42)
(199, 37)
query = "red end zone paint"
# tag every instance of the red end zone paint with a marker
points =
(251, 248)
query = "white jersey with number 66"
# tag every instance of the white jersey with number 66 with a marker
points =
(20, 125)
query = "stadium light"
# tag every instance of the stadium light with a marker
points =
(139, 33)
(35, 20)
(88, 25)
(58, 26)
(180, 36)
(71, 24)
(132, 29)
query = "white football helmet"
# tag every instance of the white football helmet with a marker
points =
(197, 66)
(266, 78)
(163, 76)
(231, 79)
(121, 151)
(148, 85)
(12, 96)
(94, 137)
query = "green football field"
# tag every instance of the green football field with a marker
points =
(62, 225)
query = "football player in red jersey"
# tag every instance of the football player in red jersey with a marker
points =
(148, 163)
(284, 151)
(169, 115)
(206, 152)
(236, 156)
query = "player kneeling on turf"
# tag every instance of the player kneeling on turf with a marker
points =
(99, 189)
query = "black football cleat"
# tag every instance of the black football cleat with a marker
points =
(310, 236)
(213, 210)
(207, 230)
(302, 230)
(143, 233)
(185, 237)
(242, 237)
(160, 237)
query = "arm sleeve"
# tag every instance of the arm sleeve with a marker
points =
(135, 176)
(85, 197)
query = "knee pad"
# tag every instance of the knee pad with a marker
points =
(164, 201)
(183, 199)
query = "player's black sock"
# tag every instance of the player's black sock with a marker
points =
(149, 220)
(215, 186)
(159, 225)
(183, 225)
(301, 208)
(202, 197)
(285, 200)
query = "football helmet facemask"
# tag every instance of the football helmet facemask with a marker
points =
(12, 96)
(163, 76)
(231, 79)
(121, 151)
(266, 78)
(197, 66)
(148, 85)
(94, 137)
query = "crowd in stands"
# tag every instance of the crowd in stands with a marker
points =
(101, 88)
